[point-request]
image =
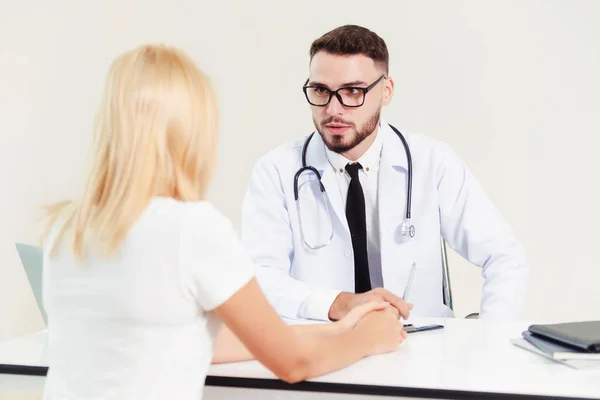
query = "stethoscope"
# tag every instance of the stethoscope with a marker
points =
(406, 228)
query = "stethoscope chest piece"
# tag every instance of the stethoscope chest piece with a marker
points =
(407, 231)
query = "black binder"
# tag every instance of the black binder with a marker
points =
(584, 335)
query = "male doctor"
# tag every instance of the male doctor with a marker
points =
(330, 251)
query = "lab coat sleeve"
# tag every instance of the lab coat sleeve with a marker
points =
(474, 227)
(268, 237)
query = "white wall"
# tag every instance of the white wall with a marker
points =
(512, 85)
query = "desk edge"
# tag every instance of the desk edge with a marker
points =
(324, 387)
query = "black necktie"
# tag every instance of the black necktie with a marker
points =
(357, 222)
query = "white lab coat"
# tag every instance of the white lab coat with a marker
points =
(447, 200)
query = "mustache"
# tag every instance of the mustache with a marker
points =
(336, 120)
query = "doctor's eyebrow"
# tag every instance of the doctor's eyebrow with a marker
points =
(349, 84)
(355, 83)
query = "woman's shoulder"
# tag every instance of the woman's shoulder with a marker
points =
(199, 217)
(203, 230)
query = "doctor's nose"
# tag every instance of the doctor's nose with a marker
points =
(335, 107)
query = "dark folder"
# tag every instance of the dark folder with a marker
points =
(584, 335)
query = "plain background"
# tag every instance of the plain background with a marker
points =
(513, 86)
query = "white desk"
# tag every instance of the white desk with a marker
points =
(467, 359)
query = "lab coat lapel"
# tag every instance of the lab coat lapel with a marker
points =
(393, 175)
(317, 157)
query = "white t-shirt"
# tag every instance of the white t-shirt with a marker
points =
(139, 325)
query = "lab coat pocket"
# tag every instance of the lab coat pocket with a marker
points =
(426, 290)
(314, 214)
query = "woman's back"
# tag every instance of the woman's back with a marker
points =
(136, 325)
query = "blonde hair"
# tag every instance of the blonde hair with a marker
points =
(155, 135)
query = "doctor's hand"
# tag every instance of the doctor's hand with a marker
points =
(345, 302)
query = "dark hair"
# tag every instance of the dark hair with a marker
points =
(350, 40)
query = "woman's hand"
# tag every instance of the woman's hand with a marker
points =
(383, 329)
(350, 320)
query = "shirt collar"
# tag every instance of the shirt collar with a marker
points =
(369, 160)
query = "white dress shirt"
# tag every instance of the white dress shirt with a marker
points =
(369, 178)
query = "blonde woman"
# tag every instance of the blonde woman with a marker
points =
(141, 272)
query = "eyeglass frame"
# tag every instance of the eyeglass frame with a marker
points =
(365, 90)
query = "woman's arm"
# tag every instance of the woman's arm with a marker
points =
(295, 356)
(228, 347)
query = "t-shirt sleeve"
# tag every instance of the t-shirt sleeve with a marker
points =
(213, 261)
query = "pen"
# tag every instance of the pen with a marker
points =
(410, 279)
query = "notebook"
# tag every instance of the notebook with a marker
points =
(576, 364)
(584, 335)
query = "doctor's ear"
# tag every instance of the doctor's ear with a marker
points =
(388, 91)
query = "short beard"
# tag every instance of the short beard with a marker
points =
(338, 145)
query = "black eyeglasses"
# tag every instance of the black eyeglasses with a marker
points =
(349, 96)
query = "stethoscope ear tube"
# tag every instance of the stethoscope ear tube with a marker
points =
(297, 176)
(410, 173)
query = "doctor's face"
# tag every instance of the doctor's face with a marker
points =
(364, 89)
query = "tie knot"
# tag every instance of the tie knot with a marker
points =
(353, 169)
